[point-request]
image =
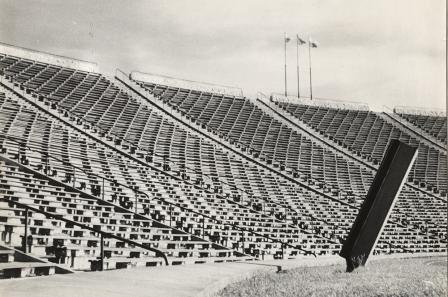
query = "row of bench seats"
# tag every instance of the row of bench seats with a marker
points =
(434, 125)
(367, 133)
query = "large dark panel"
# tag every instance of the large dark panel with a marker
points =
(378, 204)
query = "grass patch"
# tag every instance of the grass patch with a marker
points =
(395, 277)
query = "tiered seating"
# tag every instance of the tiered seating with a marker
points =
(312, 222)
(240, 120)
(319, 228)
(66, 148)
(434, 125)
(365, 132)
(83, 246)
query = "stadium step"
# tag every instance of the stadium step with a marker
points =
(16, 264)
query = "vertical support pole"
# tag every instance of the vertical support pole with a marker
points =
(298, 72)
(25, 239)
(102, 253)
(136, 202)
(242, 241)
(48, 165)
(74, 177)
(203, 227)
(103, 190)
(311, 83)
(285, 40)
(171, 214)
(287, 235)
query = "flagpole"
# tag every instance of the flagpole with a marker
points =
(298, 75)
(311, 83)
(286, 84)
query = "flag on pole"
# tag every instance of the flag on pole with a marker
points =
(312, 43)
(287, 39)
(300, 41)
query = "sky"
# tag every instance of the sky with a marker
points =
(382, 52)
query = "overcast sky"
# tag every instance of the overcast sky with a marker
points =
(382, 52)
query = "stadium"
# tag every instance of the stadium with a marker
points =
(110, 176)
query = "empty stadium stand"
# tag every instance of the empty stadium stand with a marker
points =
(143, 172)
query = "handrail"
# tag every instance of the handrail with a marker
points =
(104, 234)
(234, 226)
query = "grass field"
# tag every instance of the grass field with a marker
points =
(395, 277)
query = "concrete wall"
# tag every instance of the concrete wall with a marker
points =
(48, 58)
(329, 103)
(187, 84)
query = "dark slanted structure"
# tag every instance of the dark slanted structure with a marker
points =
(375, 211)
